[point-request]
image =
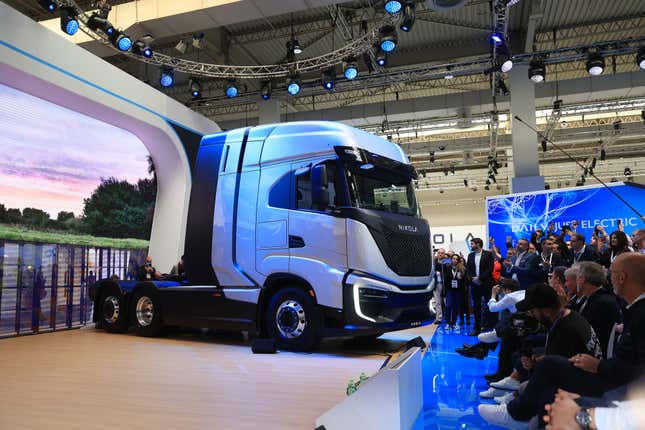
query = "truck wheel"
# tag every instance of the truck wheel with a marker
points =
(112, 311)
(292, 320)
(146, 312)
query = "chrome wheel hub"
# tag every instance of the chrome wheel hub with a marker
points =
(144, 311)
(111, 309)
(290, 319)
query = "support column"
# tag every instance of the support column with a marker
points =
(525, 144)
(269, 111)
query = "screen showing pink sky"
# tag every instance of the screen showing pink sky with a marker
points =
(53, 157)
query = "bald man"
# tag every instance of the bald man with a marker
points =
(584, 374)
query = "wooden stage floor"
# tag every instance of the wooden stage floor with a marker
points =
(88, 379)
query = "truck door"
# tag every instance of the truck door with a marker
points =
(317, 238)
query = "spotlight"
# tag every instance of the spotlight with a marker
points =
(48, 5)
(392, 6)
(140, 48)
(195, 88)
(432, 157)
(595, 64)
(408, 17)
(265, 92)
(198, 39)
(496, 38)
(603, 155)
(640, 58)
(293, 47)
(181, 46)
(97, 22)
(231, 90)
(627, 171)
(537, 70)
(466, 183)
(544, 146)
(167, 78)
(350, 69)
(381, 58)
(68, 21)
(121, 41)
(503, 59)
(329, 79)
(293, 85)
(388, 38)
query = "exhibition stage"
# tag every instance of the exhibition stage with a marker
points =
(90, 379)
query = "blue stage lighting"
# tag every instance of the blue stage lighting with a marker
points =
(167, 78)
(329, 79)
(124, 43)
(109, 31)
(195, 88)
(48, 4)
(265, 91)
(388, 45)
(381, 58)
(388, 38)
(393, 6)
(68, 22)
(496, 38)
(293, 88)
(231, 90)
(351, 69)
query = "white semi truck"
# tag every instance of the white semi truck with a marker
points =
(295, 231)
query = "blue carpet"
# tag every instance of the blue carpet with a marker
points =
(451, 383)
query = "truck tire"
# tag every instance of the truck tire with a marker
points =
(292, 320)
(146, 312)
(112, 311)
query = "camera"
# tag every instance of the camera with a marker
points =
(523, 324)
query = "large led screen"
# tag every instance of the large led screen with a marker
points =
(518, 216)
(53, 158)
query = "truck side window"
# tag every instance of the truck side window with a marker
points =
(279, 193)
(303, 187)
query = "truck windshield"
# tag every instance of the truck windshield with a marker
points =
(381, 189)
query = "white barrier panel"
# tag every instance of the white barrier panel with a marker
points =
(391, 399)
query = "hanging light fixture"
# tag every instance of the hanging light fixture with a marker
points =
(537, 70)
(595, 64)
(350, 69)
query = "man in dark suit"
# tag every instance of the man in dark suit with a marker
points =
(601, 307)
(582, 252)
(524, 267)
(480, 270)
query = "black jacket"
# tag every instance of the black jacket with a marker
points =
(628, 361)
(485, 268)
(528, 270)
(461, 280)
(589, 254)
(602, 312)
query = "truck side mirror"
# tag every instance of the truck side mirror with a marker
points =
(319, 192)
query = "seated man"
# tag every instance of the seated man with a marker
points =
(569, 333)
(583, 373)
(147, 272)
(600, 307)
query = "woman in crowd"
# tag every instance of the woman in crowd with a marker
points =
(618, 244)
(455, 285)
(464, 299)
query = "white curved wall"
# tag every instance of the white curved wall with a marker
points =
(44, 64)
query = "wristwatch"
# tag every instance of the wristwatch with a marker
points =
(583, 418)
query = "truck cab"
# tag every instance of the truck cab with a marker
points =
(295, 231)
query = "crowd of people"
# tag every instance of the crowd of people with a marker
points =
(568, 317)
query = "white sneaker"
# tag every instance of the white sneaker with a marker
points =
(498, 415)
(492, 393)
(504, 399)
(507, 383)
(488, 337)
